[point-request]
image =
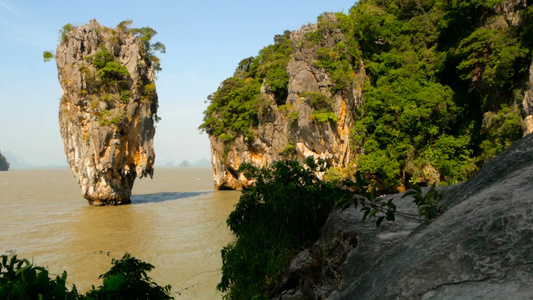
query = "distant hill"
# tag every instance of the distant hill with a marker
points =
(202, 163)
(198, 164)
(4, 165)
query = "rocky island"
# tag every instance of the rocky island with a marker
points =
(324, 127)
(4, 165)
(108, 108)
(406, 92)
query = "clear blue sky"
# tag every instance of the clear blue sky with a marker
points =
(205, 40)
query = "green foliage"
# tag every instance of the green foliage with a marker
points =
(21, 279)
(110, 76)
(322, 105)
(317, 100)
(289, 151)
(125, 95)
(275, 218)
(435, 71)
(428, 204)
(373, 206)
(501, 129)
(234, 107)
(293, 116)
(65, 30)
(339, 60)
(48, 56)
(442, 76)
(113, 73)
(148, 49)
(107, 118)
(493, 58)
(334, 175)
(322, 117)
(128, 279)
(100, 58)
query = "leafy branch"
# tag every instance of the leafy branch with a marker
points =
(365, 196)
(428, 204)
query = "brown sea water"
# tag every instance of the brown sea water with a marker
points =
(176, 222)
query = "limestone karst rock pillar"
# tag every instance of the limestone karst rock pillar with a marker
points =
(289, 124)
(107, 110)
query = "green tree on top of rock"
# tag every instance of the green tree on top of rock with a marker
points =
(234, 107)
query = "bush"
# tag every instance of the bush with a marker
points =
(48, 56)
(127, 279)
(20, 279)
(281, 213)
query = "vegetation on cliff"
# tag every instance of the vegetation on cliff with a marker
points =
(106, 79)
(443, 91)
(4, 165)
(441, 96)
(234, 107)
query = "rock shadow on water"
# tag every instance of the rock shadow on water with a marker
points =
(164, 197)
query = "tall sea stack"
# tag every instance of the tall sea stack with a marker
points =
(108, 107)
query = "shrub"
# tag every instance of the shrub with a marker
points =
(428, 204)
(127, 279)
(20, 279)
(100, 58)
(322, 107)
(276, 217)
(65, 31)
(322, 117)
(48, 56)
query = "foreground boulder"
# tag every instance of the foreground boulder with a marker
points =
(108, 108)
(480, 248)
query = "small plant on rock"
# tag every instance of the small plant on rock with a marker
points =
(428, 204)
(365, 197)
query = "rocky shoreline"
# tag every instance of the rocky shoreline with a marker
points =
(479, 248)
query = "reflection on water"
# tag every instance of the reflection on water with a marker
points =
(176, 222)
(161, 197)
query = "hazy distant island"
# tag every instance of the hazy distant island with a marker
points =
(4, 165)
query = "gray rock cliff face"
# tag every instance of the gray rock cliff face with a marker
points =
(480, 248)
(107, 110)
(291, 125)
